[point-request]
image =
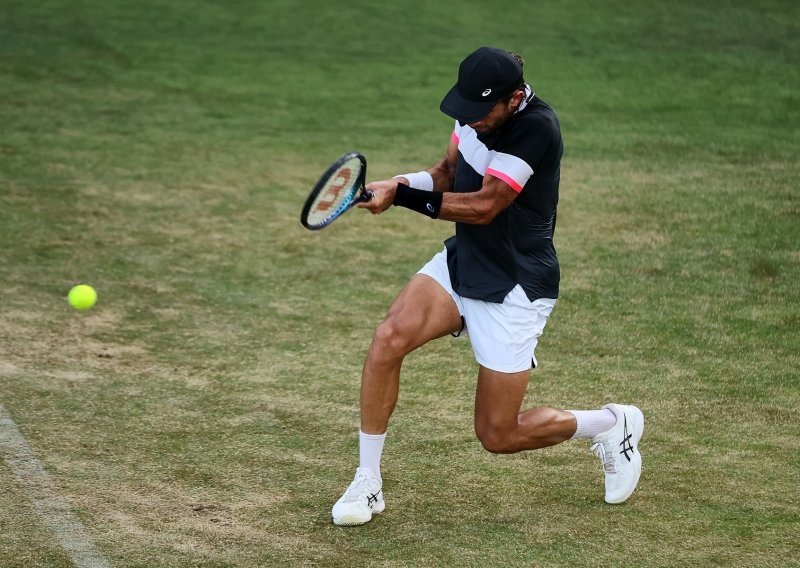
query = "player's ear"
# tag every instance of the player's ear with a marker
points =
(516, 98)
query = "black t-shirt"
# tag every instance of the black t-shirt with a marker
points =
(487, 261)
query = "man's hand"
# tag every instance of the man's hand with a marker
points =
(382, 195)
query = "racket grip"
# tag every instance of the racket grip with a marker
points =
(368, 196)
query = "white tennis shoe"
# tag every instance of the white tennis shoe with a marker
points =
(618, 449)
(362, 499)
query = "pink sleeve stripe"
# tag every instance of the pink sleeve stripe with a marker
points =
(506, 178)
(454, 137)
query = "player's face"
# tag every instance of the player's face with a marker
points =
(498, 116)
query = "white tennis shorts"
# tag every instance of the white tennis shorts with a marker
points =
(503, 336)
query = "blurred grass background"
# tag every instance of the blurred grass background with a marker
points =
(205, 412)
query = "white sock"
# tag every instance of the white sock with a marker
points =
(593, 422)
(370, 448)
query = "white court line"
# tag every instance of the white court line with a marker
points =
(54, 511)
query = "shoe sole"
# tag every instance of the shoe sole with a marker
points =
(637, 457)
(354, 521)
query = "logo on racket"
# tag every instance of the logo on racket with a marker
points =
(339, 183)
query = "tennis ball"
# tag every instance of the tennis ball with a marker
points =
(82, 297)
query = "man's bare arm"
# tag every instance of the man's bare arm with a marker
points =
(478, 207)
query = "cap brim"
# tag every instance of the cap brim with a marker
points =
(464, 110)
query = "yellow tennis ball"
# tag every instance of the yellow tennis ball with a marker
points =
(82, 297)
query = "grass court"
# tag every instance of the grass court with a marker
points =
(204, 413)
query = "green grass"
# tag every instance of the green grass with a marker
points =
(205, 412)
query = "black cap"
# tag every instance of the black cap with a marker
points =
(484, 77)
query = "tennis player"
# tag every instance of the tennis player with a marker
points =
(497, 280)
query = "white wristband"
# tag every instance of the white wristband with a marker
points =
(419, 180)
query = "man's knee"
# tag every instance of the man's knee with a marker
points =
(392, 338)
(494, 439)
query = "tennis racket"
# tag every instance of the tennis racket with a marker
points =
(339, 189)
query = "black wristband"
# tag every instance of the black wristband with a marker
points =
(426, 202)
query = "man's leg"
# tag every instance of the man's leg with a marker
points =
(502, 428)
(423, 311)
(615, 430)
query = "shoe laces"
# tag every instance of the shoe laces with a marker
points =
(606, 457)
(359, 488)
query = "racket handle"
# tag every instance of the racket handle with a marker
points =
(368, 196)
